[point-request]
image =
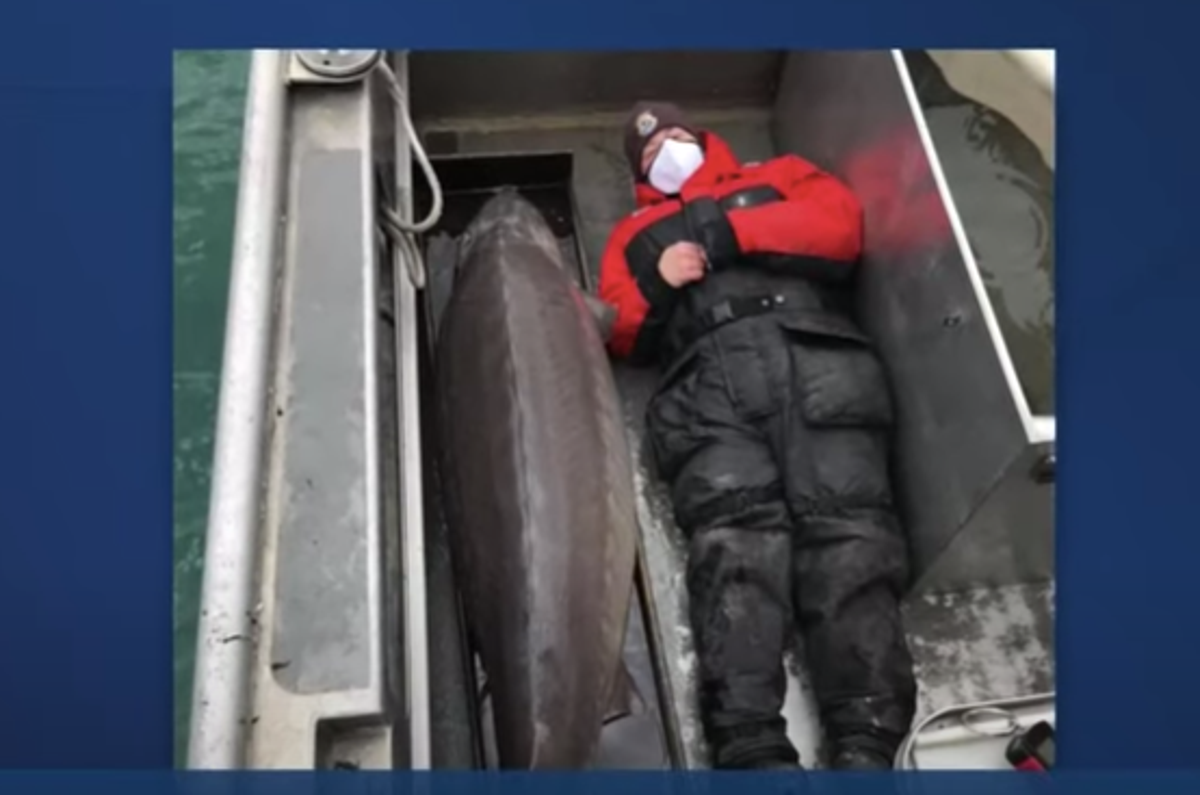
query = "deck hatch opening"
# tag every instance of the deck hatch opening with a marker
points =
(468, 181)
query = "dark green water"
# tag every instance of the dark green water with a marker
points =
(208, 104)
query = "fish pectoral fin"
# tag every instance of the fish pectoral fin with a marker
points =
(603, 313)
(624, 699)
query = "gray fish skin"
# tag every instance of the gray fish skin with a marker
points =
(539, 488)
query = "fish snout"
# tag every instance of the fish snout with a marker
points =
(507, 218)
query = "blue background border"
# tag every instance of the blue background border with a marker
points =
(365, 783)
(85, 270)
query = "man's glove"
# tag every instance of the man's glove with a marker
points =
(710, 228)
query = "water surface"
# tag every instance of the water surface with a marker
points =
(208, 103)
(1004, 192)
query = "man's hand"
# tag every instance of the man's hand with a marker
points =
(682, 263)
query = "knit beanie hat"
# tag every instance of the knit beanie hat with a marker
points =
(645, 120)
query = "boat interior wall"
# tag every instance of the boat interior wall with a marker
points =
(462, 85)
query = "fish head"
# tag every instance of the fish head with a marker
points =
(509, 219)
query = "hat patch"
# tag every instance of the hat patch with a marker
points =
(646, 123)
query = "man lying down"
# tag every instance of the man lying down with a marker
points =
(770, 426)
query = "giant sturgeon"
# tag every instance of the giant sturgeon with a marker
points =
(539, 488)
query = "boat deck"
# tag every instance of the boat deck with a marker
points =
(338, 641)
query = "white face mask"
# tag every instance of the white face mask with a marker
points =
(674, 164)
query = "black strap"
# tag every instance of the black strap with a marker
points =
(708, 221)
(737, 309)
(750, 197)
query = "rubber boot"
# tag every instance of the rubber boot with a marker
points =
(863, 759)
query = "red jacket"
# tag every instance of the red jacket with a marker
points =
(818, 217)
